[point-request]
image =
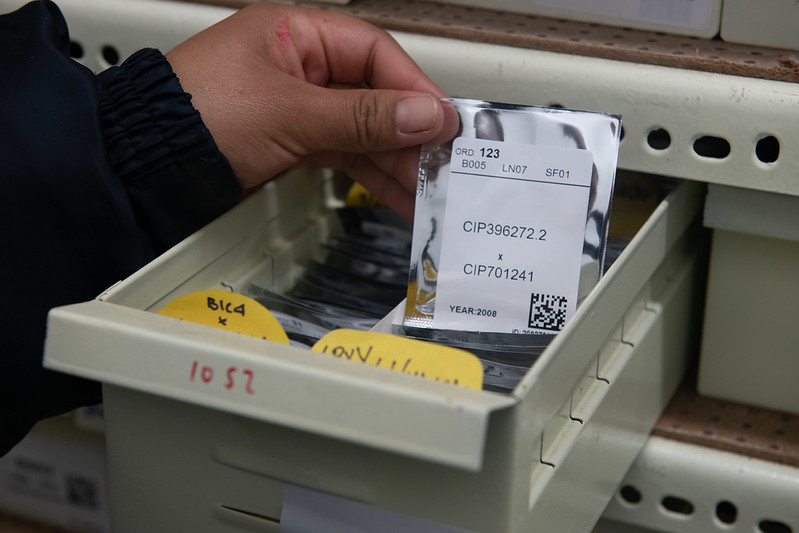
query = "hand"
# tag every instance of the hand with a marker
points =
(280, 87)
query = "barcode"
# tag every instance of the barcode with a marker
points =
(82, 492)
(547, 311)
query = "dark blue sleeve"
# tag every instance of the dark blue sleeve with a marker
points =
(98, 175)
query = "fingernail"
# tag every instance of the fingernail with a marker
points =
(417, 113)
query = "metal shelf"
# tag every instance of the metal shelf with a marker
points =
(660, 106)
(670, 115)
(686, 102)
(684, 488)
(711, 466)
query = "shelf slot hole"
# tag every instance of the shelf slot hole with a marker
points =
(726, 512)
(678, 505)
(75, 50)
(658, 139)
(630, 494)
(773, 526)
(713, 147)
(767, 149)
(110, 54)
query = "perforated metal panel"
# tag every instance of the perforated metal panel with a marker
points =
(712, 466)
(684, 488)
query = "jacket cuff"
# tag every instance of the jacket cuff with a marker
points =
(157, 143)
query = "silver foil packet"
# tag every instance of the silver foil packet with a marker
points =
(511, 220)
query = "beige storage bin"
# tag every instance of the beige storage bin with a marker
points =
(764, 23)
(700, 18)
(191, 456)
(750, 343)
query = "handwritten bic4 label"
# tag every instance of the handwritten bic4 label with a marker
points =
(229, 311)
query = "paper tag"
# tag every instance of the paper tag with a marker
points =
(514, 230)
(58, 479)
(229, 311)
(409, 356)
(306, 510)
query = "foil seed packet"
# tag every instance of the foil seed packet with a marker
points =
(511, 220)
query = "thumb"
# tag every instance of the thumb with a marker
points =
(372, 120)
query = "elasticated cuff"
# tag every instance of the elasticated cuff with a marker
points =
(176, 177)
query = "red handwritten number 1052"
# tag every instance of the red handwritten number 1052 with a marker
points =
(206, 374)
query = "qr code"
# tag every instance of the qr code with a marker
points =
(82, 492)
(547, 312)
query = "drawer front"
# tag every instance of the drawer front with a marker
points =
(573, 425)
(607, 420)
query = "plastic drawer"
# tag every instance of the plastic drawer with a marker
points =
(191, 456)
(770, 23)
(698, 18)
(749, 341)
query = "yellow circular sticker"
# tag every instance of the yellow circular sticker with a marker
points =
(359, 196)
(229, 311)
(408, 356)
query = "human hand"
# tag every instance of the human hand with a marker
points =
(280, 87)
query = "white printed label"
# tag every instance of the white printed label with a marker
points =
(513, 231)
(306, 510)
